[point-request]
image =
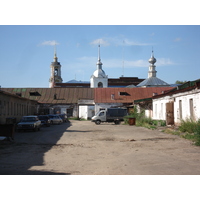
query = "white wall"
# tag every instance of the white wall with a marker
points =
(185, 99)
(95, 80)
(159, 106)
(86, 111)
(148, 113)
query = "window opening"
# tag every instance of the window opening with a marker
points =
(100, 85)
(124, 94)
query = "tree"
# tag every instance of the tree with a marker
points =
(180, 82)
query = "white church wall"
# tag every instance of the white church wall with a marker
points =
(95, 80)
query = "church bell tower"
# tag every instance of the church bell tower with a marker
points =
(55, 72)
(99, 79)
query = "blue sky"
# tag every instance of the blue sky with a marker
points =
(27, 52)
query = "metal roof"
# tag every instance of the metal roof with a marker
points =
(190, 85)
(152, 82)
(125, 95)
(13, 95)
(53, 95)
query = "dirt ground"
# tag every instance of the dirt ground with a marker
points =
(83, 148)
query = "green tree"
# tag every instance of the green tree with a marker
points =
(180, 82)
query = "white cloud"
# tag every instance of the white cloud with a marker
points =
(128, 42)
(119, 41)
(87, 65)
(164, 62)
(83, 67)
(100, 41)
(118, 63)
(49, 43)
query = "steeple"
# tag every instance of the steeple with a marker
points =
(55, 56)
(99, 63)
(152, 80)
(152, 71)
(99, 77)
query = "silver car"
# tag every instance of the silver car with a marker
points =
(29, 123)
(55, 119)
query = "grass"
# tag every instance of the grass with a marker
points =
(188, 129)
(192, 130)
(142, 120)
(172, 131)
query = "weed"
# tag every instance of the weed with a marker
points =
(142, 120)
(192, 130)
(171, 131)
(188, 126)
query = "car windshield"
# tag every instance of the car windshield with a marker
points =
(28, 119)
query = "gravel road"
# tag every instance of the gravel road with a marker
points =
(83, 148)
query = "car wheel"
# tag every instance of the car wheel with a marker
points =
(98, 122)
(117, 122)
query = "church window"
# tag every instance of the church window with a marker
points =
(100, 85)
(56, 72)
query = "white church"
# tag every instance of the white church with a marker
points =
(99, 79)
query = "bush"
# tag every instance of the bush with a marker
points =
(142, 120)
(192, 130)
(188, 126)
(197, 133)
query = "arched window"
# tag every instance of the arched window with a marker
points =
(100, 85)
(56, 72)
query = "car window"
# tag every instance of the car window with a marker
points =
(101, 114)
(28, 119)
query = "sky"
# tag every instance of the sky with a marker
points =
(127, 34)
(27, 51)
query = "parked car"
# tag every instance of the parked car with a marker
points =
(45, 120)
(55, 119)
(63, 117)
(31, 122)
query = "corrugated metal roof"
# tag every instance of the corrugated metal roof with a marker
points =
(54, 95)
(14, 95)
(152, 81)
(118, 95)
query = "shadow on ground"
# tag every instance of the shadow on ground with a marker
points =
(28, 149)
